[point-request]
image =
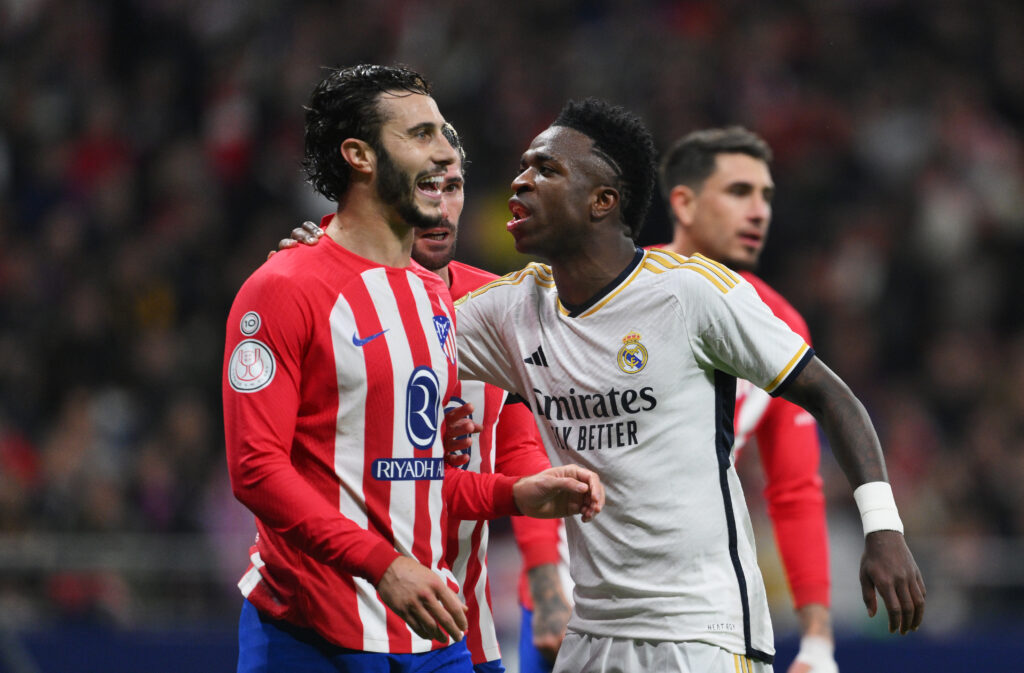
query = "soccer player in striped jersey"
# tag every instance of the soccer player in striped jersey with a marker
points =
(718, 188)
(642, 353)
(338, 362)
(507, 442)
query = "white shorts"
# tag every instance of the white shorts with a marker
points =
(582, 653)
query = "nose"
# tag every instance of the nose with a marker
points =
(444, 153)
(521, 181)
(760, 209)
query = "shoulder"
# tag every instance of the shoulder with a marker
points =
(466, 278)
(778, 305)
(532, 279)
(694, 272)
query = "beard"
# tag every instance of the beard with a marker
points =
(433, 260)
(398, 190)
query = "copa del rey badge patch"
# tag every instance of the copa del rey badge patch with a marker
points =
(252, 364)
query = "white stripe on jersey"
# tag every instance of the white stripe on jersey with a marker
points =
(439, 362)
(349, 452)
(252, 576)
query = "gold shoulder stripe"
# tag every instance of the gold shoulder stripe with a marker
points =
(721, 267)
(663, 258)
(515, 278)
(651, 266)
(787, 369)
(715, 280)
(714, 268)
(661, 252)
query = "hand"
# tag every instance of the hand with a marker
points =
(560, 491)
(423, 600)
(309, 233)
(550, 609)
(817, 646)
(888, 566)
(457, 434)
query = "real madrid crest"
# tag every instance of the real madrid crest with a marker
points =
(632, 356)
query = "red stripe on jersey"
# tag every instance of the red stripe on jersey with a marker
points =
(473, 636)
(420, 351)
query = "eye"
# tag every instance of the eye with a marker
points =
(453, 187)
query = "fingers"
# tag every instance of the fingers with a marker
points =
(312, 228)
(917, 594)
(867, 590)
(455, 621)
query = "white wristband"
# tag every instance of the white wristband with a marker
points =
(877, 507)
(819, 653)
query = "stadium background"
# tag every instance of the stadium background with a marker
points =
(149, 156)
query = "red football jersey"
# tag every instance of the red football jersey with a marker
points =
(336, 372)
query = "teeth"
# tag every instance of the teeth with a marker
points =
(432, 182)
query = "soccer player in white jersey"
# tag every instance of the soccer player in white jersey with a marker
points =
(642, 353)
(507, 442)
(338, 362)
(718, 187)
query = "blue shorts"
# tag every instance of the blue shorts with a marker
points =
(494, 666)
(530, 658)
(271, 646)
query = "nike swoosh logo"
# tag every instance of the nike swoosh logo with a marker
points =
(356, 341)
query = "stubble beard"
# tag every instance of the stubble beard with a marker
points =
(397, 189)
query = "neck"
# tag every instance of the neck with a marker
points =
(580, 277)
(365, 226)
(445, 275)
(680, 243)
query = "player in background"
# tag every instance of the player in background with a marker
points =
(718, 189)
(507, 443)
(642, 351)
(338, 362)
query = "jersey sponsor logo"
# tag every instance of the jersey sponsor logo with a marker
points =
(407, 469)
(250, 323)
(357, 341)
(422, 407)
(455, 403)
(443, 327)
(251, 366)
(632, 357)
(584, 406)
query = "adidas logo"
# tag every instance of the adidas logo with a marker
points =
(537, 358)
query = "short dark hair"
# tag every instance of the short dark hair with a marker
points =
(452, 136)
(622, 140)
(345, 104)
(691, 160)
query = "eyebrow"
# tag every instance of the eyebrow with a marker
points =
(537, 156)
(422, 126)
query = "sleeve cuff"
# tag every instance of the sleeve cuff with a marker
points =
(504, 501)
(378, 560)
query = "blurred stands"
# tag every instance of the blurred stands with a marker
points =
(149, 159)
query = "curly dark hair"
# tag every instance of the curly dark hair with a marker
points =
(345, 104)
(621, 139)
(691, 159)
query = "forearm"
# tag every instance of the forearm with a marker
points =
(843, 419)
(473, 496)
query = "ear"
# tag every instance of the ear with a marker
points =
(604, 200)
(682, 202)
(359, 155)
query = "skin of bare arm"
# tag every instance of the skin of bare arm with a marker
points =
(887, 566)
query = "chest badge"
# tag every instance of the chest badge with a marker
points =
(632, 356)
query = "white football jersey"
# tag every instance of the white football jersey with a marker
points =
(639, 385)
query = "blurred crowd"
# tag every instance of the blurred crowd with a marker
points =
(149, 159)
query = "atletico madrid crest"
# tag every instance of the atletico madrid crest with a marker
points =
(443, 327)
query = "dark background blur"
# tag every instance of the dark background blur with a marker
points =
(149, 159)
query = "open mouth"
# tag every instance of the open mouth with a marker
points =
(438, 234)
(431, 186)
(520, 213)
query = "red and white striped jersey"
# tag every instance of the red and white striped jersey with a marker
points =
(336, 372)
(508, 444)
